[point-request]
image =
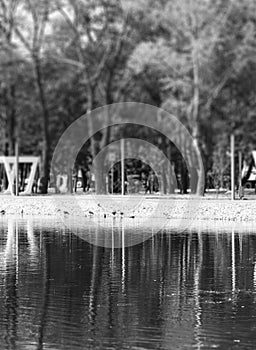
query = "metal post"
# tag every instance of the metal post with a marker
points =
(122, 166)
(232, 145)
(17, 167)
(240, 166)
(241, 188)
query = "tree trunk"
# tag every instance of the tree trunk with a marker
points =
(164, 179)
(184, 178)
(10, 117)
(195, 124)
(13, 132)
(99, 181)
(96, 146)
(45, 126)
(170, 182)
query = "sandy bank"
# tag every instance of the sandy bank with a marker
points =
(130, 207)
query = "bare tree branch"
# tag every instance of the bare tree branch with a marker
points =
(218, 88)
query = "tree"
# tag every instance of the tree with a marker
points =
(196, 51)
(195, 59)
(10, 60)
(97, 47)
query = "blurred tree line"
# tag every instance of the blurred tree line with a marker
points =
(60, 59)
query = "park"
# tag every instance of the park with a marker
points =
(127, 174)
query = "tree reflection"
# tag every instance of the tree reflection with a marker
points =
(10, 265)
(21, 251)
(170, 290)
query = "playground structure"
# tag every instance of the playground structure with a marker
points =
(248, 175)
(249, 170)
(119, 178)
(12, 173)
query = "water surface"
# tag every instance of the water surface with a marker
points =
(195, 289)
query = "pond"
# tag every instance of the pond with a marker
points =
(171, 290)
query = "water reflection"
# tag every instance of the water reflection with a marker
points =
(174, 291)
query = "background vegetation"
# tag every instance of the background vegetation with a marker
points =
(62, 58)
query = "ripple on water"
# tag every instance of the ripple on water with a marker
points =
(173, 290)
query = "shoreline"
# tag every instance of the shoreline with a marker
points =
(146, 207)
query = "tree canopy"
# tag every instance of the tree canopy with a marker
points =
(61, 59)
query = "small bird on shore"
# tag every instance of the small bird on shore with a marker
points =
(121, 214)
(21, 212)
(91, 212)
(132, 217)
(114, 213)
(2, 212)
(105, 215)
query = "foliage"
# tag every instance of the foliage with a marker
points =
(195, 59)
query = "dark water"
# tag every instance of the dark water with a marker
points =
(190, 290)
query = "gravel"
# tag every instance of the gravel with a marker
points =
(130, 207)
